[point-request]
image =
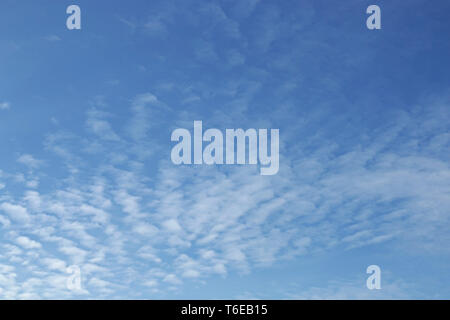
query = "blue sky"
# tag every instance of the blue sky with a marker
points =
(86, 177)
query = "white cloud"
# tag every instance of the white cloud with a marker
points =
(4, 221)
(172, 279)
(140, 123)
(132, 25)
(32, 183)
(54, 264)
(4, 105)
(27, 243)
(76, 254)
(52, 38)
(29, 160)
(145, 229)
(155, 26)
(34, 200)
(355, 290)
(16, 212)
(98, 125)
(151, 283)
(172, 225)
(198, 222)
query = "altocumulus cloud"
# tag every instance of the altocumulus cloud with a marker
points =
(364, 163)
(125, 228)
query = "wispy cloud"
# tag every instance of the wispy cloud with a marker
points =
(52, 38)
(30, 161)
(4, 105)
